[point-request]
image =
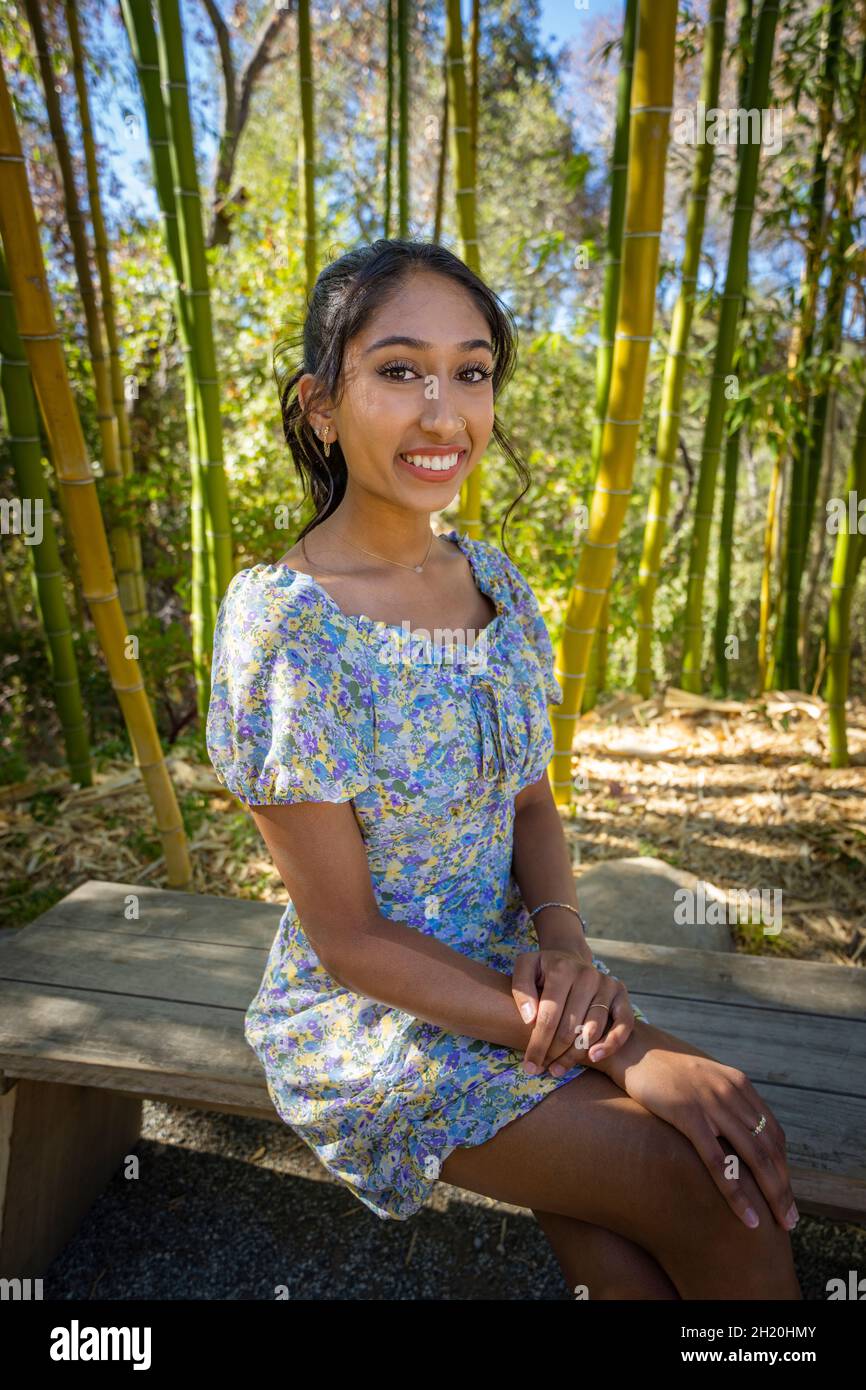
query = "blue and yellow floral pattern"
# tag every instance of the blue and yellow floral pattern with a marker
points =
(311, 704)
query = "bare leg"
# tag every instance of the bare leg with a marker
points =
(610, 1266)
(589, 1152)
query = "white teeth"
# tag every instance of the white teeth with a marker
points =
(433, 465)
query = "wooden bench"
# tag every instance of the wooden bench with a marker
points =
(99, 1010)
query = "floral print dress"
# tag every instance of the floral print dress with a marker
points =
(431, 743)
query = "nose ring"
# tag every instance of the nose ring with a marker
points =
(462, 421)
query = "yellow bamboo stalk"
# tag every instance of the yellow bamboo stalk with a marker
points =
(770, 534)
(135, 616)
(463, 144)
(38, 328)
(122, 546)
(652, 94)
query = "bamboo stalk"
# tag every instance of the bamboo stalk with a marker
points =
(136, 616)
(846, 563)
(26, 450)
(721, 666)
(403, 106)
(469, 520)
(652, 92)
(307, 142)
(172, 65)
(138, 20)
(122, 546)
(597, 677)
(675, 362)
(389, 114)
(38, 329)
(787, 656)
(747, 179)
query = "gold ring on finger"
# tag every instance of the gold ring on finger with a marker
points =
(761, 1125)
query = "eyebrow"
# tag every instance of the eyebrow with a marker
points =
(398, 339)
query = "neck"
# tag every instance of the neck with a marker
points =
(390, 531)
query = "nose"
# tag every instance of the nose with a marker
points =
(440, 417)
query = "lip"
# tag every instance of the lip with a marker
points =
(428, 476)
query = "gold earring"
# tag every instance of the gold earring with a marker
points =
(324, 437)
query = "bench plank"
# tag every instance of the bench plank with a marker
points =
(155, 1008)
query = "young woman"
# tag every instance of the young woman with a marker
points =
(414, 1022)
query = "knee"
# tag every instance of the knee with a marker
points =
(708, 1241)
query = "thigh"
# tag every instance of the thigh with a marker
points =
(604, 1264)
(588, 1151)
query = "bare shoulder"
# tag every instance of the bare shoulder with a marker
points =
(294, 559)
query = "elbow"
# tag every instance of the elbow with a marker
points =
(340, 958)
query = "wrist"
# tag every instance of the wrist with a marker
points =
(620, 1063)
(557, 929)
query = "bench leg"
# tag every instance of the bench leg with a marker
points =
(59, 1147)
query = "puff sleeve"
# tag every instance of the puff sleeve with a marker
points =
(528, 611)
(290, 715)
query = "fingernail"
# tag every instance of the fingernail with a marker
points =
(596, 1053)
(527, 1011)
(752, 1217)
(557, 1070)
(530, 1068)
(793, 1217)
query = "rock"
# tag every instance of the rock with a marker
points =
(633, 900)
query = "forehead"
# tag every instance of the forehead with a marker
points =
(430, 307)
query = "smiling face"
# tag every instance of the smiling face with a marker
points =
(399, 421)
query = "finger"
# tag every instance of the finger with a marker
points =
(524, 984)
(705, 1142)
(618, 1010)
(571, 1021)
(622, 1022)
(550, 1006)
(766, 1160)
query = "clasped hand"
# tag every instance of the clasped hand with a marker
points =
(562, 994)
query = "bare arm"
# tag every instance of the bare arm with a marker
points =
(542, 868)
(319, 853)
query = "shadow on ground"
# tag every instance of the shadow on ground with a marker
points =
(226, 1207)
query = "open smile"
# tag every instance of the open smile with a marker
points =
(433, 467)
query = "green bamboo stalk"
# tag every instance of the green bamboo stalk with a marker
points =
(25, 447)
(831, 329)
(615, 220)
(119, 535)
(596, 679)
(846, 562)
(443, 155)
(172, 66)
(307, 142)
(721, 665)
(138, 19)
(109, 318)
(389, 116)
(747, 180)
(787, 655)
(403, 128)
(667, 434)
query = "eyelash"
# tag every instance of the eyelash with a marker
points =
(486, 372)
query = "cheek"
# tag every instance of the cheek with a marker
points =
(374, 407)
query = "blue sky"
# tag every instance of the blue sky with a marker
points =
(561, 22)
(563, 19)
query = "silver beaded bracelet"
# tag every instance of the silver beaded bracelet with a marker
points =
(570, 908)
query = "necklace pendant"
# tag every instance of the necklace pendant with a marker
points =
(419, 569)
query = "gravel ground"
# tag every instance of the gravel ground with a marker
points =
(227, 1207)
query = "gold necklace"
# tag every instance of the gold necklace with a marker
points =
(417, 568)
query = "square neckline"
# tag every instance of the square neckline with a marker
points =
(398, 627)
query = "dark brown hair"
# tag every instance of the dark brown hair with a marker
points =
(346, 294)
